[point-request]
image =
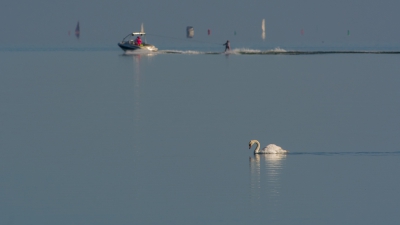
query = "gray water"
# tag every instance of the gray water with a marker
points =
(100, 137)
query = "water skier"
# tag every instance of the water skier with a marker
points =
(227, 46)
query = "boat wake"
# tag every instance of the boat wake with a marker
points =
(276, 51)
(237, 51)
(188, 52)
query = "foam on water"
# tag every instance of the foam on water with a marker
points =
(275, 51)
(188, 52)
(139, 52)
(236, 51)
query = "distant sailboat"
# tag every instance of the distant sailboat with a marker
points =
(189, 32)
(77, 30)
(209, 32)
(263, 29)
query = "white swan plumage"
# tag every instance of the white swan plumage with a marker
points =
(269, 149)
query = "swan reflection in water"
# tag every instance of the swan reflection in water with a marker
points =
(265, 175)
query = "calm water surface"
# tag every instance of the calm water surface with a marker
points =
(99, 137)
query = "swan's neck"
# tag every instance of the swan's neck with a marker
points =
(257, 150)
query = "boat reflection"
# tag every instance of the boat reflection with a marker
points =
(136, 65)
(139, 59)
(265, 175)
(140, 63)
(139, 82)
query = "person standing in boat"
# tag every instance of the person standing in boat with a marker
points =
(138, 41)
(227, 46)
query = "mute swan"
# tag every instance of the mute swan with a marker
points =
(270, 149)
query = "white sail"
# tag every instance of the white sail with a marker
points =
(263, 25)
(189, 32)
(142, 29)
(263, 29)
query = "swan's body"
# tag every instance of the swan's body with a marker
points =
(269, 149)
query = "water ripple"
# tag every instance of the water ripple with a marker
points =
(394, 153)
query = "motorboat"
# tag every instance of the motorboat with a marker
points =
(131, 45)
